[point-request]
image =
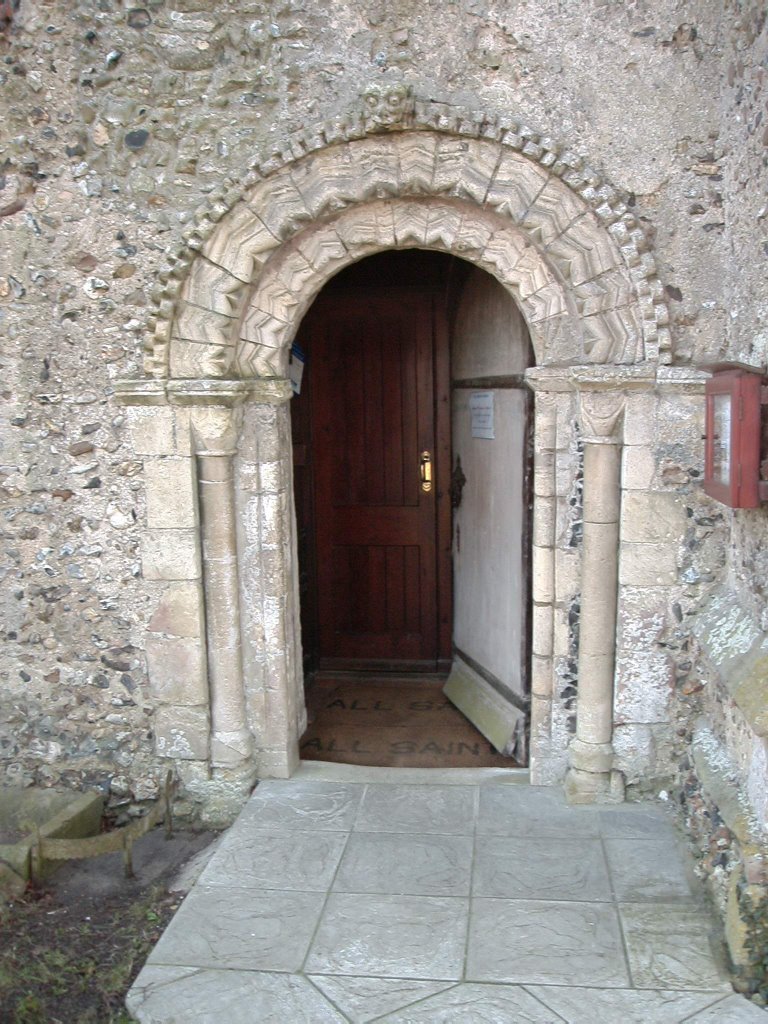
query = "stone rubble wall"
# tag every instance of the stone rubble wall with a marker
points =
(724, 683)
(744, 101)
(120, 120)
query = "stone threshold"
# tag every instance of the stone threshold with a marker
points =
(328, 771)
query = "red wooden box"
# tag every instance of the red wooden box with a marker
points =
(732, 453)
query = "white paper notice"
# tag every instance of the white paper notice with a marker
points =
(481, 414)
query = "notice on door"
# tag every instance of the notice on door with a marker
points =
(481, 414)
(296, 365)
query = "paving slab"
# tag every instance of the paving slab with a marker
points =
(669, 946)
(164, 994)
(276, 859)
(553, 943)
(636, 821)
(489, 1004)
(395, 900)
(365, 999)
(406, 865)
(541, 869)
(648, 869)
(240, 928)
(303, 804)
(391, 936)
(448, 810)
(533, 811)
(734, 1010)
(580, 1005)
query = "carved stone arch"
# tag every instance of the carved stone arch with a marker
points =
(293, 278)
(258, 345)
(333, 199)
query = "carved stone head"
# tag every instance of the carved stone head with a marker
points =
(388, 105)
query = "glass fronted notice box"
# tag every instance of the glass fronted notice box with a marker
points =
(733, 430)
(722, 463)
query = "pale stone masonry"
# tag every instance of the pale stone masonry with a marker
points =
(181, 179)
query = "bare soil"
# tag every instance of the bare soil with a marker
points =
(71, 947)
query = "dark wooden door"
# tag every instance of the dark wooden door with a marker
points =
(382, 559)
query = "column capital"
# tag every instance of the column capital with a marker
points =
(215, 429)
(602, 415)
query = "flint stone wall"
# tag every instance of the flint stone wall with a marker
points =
(121, 121)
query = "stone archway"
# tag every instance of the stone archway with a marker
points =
(497, 208)
(215, 430)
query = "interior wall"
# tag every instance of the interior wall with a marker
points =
(489, 339)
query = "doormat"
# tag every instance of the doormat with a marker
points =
(392, 723)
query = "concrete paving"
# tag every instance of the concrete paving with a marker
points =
(460, 897)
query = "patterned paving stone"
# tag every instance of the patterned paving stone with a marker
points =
(635, 821)
(591, 1005)
(403, 864)
(391, 936)
(668, 947)
(521, 941)
(533, 811)
(734, 1010)
(365, 999)
(303, 804)
(270, 859)
(240, 928)
(449, 810)
(647, 869)
(477, 1004)
(540, 869)
(165, 994)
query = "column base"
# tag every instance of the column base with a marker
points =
(278, 763)
(594, 758)
(216, 795)
(582, 787)
(231, 749)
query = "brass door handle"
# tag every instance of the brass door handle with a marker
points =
(425, 471)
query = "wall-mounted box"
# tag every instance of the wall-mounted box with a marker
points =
(733, 429)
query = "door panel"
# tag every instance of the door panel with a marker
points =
(371, 365)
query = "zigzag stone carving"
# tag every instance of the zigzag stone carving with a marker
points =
(291, 279)
(574, 225)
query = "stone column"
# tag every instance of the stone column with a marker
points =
(215, 432)
(591, 776)
(269, 582)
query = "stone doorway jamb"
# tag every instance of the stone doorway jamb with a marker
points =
(212, 731)
(601, 395)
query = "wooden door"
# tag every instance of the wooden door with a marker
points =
(382, 562)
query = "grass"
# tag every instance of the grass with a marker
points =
(72, 962)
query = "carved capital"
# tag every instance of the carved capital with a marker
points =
(547, 401)
(216, 429)
(387, 105)
(602, 415)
